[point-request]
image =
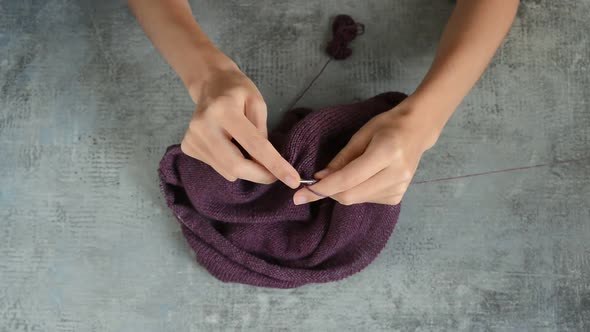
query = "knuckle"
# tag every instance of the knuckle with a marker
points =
(258, 103)
(263, 151)
(224, 173)
(356, 141)
(184, 148)
(228, 177)
(396, 154)
(187, 149)
(349, 181)
(345, 199)
(222, 104)
(235, 168)
(398, 189)
(337, 162)
(193, 138)
(260, 146)
(341, 159)
(385, 135)
(237, 92)
(275, 168)
(403, 188)
(406, 175)
(354, 138)
(345, 202)
(215, 115)
(389, 201)
(391, 192)
(381, 157)
(242, 86)
(231, 96)
(396, 199)
(218, 115)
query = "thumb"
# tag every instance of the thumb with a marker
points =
(355, 147)
(256, 112)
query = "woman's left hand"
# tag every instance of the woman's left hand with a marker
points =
(379, 162)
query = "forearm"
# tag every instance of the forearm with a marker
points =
(474, 32)
(174, 32)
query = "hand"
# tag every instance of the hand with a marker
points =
(379, 162)
(230, 106)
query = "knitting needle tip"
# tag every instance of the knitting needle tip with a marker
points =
(308, 182)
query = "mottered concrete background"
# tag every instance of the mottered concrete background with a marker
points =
(87, 108)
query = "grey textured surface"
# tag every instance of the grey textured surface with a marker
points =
(87, 108)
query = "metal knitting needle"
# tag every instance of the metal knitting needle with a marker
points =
(308, 182)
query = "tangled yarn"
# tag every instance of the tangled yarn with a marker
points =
(344, 31)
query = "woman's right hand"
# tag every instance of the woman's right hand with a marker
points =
(230, 106)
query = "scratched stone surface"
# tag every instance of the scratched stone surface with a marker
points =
(87, 108)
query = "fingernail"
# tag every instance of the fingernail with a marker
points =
(300, 199)
(322, 173)
(291, 181)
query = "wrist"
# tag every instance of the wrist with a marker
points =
(428, 116)
(206, 61)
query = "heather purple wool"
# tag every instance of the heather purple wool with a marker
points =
(253, 234)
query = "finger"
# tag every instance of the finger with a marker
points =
(391, 200)
(200, 152)
(261, 149)
(357, 171)
(256, 112)
(229, 158)
(191, 144)
(190, 149)
(372, 190)
(354, 148)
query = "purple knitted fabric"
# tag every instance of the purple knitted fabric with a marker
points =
(253, 234)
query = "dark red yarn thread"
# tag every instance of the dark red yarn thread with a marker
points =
(344, 31)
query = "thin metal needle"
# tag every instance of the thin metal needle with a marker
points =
(309, 182)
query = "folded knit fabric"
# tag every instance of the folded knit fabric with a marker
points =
(253, 234)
